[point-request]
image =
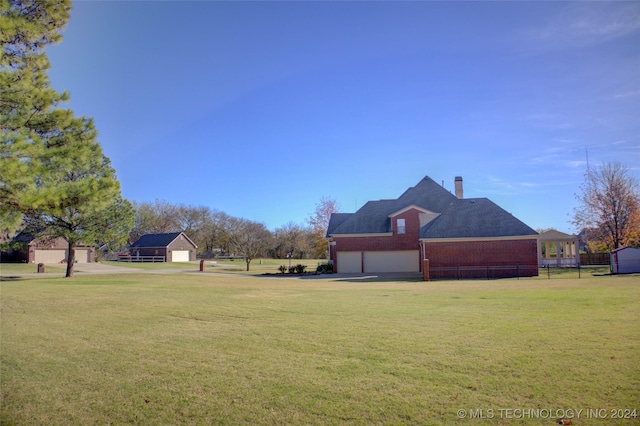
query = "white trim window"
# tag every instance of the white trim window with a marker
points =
(400, 226)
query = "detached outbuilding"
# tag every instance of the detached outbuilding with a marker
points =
(30, 249)
(169, 247)
(625, 260)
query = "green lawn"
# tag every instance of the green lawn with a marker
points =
(264, 266)
(150, 266)
(257, 266)
(216, 349)
(7, 269)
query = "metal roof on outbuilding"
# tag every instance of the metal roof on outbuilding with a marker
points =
(159, 240)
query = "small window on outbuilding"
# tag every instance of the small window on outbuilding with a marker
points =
(401, 226)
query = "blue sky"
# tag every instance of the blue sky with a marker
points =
(259, 109)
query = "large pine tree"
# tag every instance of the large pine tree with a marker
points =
(54, 173)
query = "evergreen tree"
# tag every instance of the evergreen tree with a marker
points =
(53, 170)
(26, 98)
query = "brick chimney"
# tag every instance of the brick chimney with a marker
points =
(458, 183)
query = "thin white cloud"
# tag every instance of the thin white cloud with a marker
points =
(627, 94)
(586, 23)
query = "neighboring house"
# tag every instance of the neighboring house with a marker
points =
(461, 238)
(625, 260)
(173, 246)
(30, 249)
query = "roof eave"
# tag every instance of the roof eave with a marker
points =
(411, 207)
(370, 234)
(468, 239)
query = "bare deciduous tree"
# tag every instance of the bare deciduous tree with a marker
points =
(155, 218)
(319, 221)
(291, 240)
(249, 239)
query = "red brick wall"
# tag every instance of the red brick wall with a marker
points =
(483, 259)
(375, 244)
(505, 258)
(406, 241)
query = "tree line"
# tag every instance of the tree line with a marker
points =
(219, 234)
(56, 181)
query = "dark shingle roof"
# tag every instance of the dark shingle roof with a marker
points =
(459, 218)
(336, 220)
(370, 218)
(475, 217)
(427, 194)
(373, 217)
(156, 240)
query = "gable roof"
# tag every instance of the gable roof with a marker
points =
(373, 217)
(475, 218)
(553, 235)
(32, 238)
(411, 207)
(458, 218)
(159, 240)
(428, 195)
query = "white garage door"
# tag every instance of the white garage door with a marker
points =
(349, 262)
(50, 256)
(82, 255)
(391, 261)
(180, 256)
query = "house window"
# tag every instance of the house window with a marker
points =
(401, 226)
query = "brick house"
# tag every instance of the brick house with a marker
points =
(461, 238)
(172, 246)
(27, 248)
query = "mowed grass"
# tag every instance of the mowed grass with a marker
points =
(215, 349)
(256, 267)
(8, 269)
(151, 266)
